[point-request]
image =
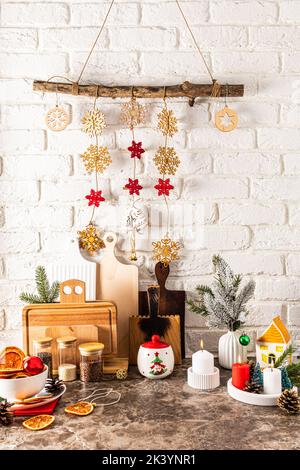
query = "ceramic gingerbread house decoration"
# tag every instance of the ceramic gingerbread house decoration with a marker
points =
(272, 343)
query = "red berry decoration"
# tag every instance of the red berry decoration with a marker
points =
(95, 198)
(136, 149)
(164, 187)
(133, 186)
(33, 365)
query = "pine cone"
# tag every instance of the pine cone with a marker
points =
(53, 385)
(253, 387)
(289, 401)
(6, 416)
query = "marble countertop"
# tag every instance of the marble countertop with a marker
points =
(160, 414)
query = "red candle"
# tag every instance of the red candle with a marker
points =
(240, 375)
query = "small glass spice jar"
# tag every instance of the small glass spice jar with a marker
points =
(66, 358)
(42, 348)
(91, 367)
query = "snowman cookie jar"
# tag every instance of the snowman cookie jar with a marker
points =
(155, 359)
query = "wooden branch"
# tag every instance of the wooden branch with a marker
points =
(187, 89)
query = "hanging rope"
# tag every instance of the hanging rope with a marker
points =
(195, 42)
(215, 90)
(96, 40)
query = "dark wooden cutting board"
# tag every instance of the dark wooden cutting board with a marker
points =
(171, 302)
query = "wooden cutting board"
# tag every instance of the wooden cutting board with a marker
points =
(87, 321)
(74, 266)
(171, 302)
(118, 283)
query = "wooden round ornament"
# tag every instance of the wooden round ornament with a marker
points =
(57, 119)
(226, 119)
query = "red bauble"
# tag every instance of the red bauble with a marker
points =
(136, 149)
(33, 365)
(133, 186)
(164, 187)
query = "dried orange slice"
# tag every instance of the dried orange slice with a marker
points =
(11, 359)
(82, 408)
(36, 423)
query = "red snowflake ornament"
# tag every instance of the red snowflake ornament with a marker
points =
(95, 198)
(136, 149)
(164, 187)
(133, 186)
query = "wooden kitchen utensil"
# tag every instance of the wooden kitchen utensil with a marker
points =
(88, 321)
(171, 302)
(118, 282)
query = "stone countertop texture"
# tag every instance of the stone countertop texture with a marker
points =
(160, 414)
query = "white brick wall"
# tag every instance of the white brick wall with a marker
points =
(237, 193)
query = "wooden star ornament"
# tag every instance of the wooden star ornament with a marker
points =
(163, 187)
(226, 119)
(136, 149)
(94, 198)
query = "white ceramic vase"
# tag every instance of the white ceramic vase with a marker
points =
(230, 350)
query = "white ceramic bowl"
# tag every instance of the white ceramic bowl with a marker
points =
(18, 389)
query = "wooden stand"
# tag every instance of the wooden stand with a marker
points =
(171, 302)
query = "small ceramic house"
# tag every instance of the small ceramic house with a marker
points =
(272, 343)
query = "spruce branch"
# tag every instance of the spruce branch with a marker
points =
(46, 293)
(224, 303)
(30, 298)
(284, 356)
(293, 371)
(42, 283)
(54, 291)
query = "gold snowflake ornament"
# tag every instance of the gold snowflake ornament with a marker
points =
(96, 159)
(166, 250)
(167, 122)
(132, 113)
(93, 122)
(90, 240)
(166, 160)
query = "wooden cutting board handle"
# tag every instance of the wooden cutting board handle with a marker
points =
(72, 291)
(162, 273)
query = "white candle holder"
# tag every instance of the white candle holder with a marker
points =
(259, 399)
(203, 381)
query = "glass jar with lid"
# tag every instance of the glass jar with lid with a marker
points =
(66, 346)
(42, 348)
(91, 367)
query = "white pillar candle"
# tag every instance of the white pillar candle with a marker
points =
(272, 381)
(202, 362)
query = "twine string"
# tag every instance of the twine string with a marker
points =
(100, 393)
(97, 145)
(195, 41)
(133, 232)
(96, 40)
(164, 175)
